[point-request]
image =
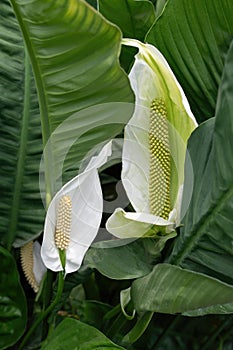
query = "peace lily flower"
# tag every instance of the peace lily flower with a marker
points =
(154, 148)
(73, 217)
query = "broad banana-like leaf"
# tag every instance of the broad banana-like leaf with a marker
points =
(194, 36)
(75, 67)
(84, 95)
(205, 241)
(21, 209)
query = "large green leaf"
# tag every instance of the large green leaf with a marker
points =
(170, 289)
(134, 18)
(122, 261)
(82, 89)
(71, 334)
(194, 36)
(205, 241)
(13, 307)
(21, 209)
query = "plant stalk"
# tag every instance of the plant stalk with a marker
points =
(44, 314)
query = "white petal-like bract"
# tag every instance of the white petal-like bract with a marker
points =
(86, 198)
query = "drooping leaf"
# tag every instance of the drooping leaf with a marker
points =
(194, 36)
(205, 242)
(72, 334)
(82, 89)
(170, 289)
(21, 209)
(13, 307)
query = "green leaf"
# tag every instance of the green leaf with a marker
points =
(92, 3)
(205, 241)
(134, 18)
(125, 299)
(170, 289)
(21, 209)
(92, 312)
(160, 4)
(13, 307)
(215, 309)
(194, 36)
(82, 90)
(124, 261)
(71, 334)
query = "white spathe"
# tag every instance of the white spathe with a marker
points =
(151, 78)
(39, 268)
(85, 193)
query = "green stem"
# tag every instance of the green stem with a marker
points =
(47, 292)
(139, 328)
(91, 289)
(22, 152)
(44, 314)
(116, 326)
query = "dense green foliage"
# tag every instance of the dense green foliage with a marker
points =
(64, 91)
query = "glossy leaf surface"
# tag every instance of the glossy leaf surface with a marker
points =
(81, 87)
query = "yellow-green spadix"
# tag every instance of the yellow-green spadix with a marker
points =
(73, 217)
(154, 148)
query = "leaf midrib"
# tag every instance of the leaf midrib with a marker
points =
(43, 102)
(22, 152)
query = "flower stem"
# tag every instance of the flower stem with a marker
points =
(47, 292)
(137, 331)
(47, 311)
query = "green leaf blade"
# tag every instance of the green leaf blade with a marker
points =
(136, 16)
(124, 261)
(170, 289)
(21, 147)
(13, 307)
(195, 42)
(74, 334)
(205, 242)
(75, 57)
